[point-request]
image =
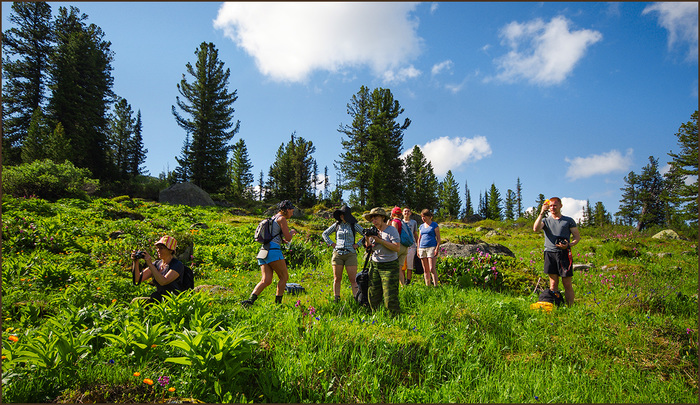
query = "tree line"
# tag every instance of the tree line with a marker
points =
(58, 104)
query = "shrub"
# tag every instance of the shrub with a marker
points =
(48, 180)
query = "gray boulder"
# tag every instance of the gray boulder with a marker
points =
(667, 234)
(185, 194)
(459, 250)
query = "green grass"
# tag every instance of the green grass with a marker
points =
(630, 338)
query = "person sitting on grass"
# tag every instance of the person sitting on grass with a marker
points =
(165, 273)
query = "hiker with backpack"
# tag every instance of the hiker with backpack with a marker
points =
(384, 263)
(270, 257)
(558, 230)
(344, 248)
(397, 222)
(166, 273)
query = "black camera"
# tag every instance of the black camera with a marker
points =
(561, 241)
(139, 254)
(370, 231)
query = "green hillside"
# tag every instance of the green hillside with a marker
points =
(71, 334)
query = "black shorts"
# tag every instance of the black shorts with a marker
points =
(558, 263)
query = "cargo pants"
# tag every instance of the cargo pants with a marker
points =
(384, 284)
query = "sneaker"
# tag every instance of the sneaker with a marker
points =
(247, 303)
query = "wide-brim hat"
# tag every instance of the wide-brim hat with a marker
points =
(347, 214)
(168, 241)
(376, 211)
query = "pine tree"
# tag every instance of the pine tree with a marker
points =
(588, 219)
(484, 211)
(121, 131)
(25, 78)
(682, 178)
(291, 173)
(601, 217)
(326, 184)
(469, 208)
(494, 204)
(59, 148)
(373, 148)
(240, 173)
(629, 203)
(34, 146)
(649, 196)
(538, 206)
(261, 186)
(137, 152)
(208, 108)
(81, 89)
(421, 186)
(183, 172)
(448, 197)
(509, 205)
(519, 196)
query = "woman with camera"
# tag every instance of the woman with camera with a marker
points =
(384, 263)
(270, 257)
(344, 248)
(165, 273)
(429, 246)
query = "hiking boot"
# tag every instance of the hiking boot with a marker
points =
(247, 303)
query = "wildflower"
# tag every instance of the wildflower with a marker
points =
(111, 361)
(114, 300)
(163, 380)
(148, 381)
(153, 346)
(137, 374)
(297, 303)
(13, 338)
(171, 389)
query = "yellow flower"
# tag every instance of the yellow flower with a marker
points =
(4, 357)
(136, 374)
(546, 202)
(148, 381)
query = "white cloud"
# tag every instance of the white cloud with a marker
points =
(439, 67)
(542, 53)
(290, 40)
(681, 21)
(450, 153)
(613, 161)
(433, 7)
(401, 75)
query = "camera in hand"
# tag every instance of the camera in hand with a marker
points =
(561, 241)
(139, 254)
(370, 231)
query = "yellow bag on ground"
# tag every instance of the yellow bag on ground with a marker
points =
(546, 306)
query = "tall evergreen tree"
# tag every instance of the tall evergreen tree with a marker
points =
(137, 151)
(649, 196)
(509, 205)
(469, 208)
(58, 145)
(34, 146)
(81, 89)
(373, 147)
(183, 171)
(261, 186)
(208, 108)
(448, 196)
(588, 219)
(494, 204)
(629, 202)
(240, 172)
(682, 179)
(519, 198)
(326, 184)
(291, 173)
(601, 217)
(121, 131)
(484, 205)
(422, 185)
(538, 206)
(25, 77)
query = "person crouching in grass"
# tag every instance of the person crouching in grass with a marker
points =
(165, 273)
(384, 263)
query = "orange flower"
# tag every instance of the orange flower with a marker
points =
(114, 300)
(546, 202)
(13, 338)
(153, 345)
(136, 374)
(171, 389)
(4, 357)
(148, 381)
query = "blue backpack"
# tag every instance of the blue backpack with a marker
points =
(406, 235)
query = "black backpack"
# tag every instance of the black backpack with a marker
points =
(362, 280)
(187, 282)
(553, 297)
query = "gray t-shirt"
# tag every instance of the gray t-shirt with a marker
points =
(556, 229)
(381, 254)
(413, 225)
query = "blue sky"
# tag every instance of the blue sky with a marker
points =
(568, 97)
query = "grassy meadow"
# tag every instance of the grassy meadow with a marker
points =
(70, 333)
